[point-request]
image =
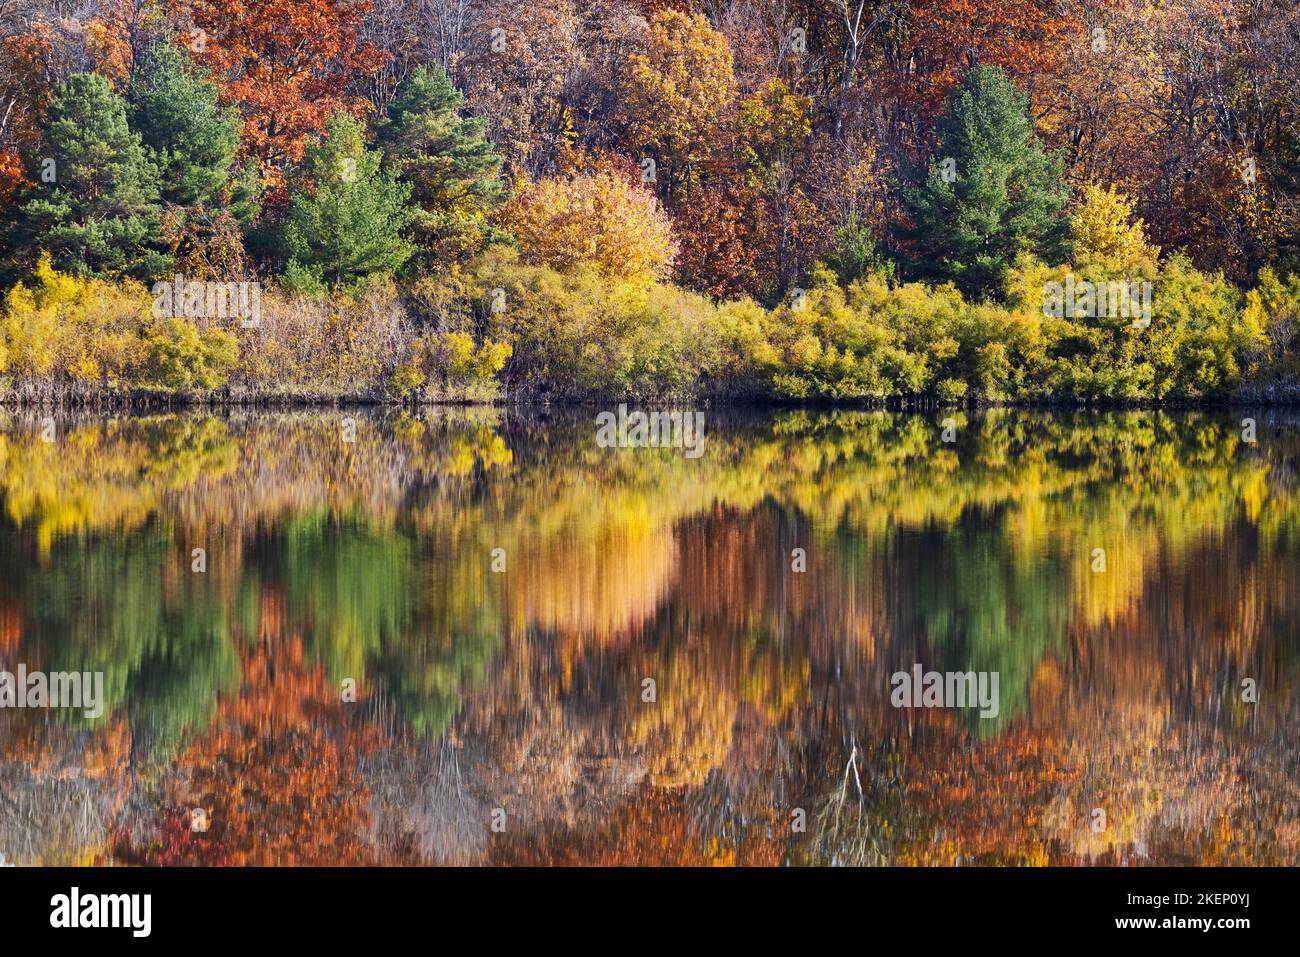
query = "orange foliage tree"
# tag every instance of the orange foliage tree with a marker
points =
(723, 249)
(287, 65)
(945, 39)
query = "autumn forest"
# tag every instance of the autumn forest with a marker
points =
(861, 201)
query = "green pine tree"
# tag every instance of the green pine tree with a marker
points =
(991, 192)
(452, 167)
(94, 202)
(191, 138)
(347, 219)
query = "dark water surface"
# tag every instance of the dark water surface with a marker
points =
(1131, 579)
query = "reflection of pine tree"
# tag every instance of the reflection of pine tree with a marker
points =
(104, 604)
(359, 597)
(983, 609)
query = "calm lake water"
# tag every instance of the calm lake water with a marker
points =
(563, 653)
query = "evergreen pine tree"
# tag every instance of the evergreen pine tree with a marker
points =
(93, 204)
(191, 138)
(347, 219)
(991, 192)
(452, 167)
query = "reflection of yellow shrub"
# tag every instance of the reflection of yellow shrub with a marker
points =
(776, 681)
(1111, 594)
(93, 478)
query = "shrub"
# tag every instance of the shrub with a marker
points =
(61, 330)
(183, 359)
(1273, 306)
(450, 365)
(584, 333)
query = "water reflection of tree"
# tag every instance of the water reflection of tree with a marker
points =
(523, 690)
(118, 606)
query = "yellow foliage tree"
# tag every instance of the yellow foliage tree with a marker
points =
(678, 92)
(598, 218)
(774, 123)
(1105, 234)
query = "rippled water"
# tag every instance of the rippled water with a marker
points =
(563, 653)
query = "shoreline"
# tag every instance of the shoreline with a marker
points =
(155, 402)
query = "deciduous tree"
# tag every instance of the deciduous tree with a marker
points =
(599, 217)
(287, 64)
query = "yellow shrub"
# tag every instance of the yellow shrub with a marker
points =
(63, 326)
